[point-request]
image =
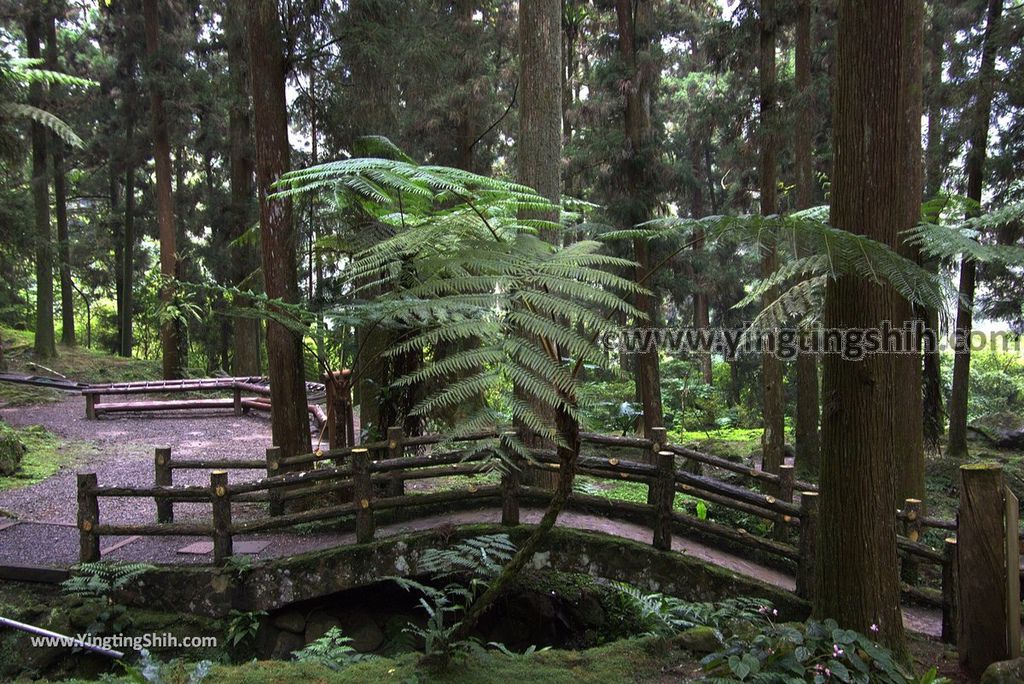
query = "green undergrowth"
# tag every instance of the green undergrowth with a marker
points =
(46, 454)
(76, 363)
(634, 660)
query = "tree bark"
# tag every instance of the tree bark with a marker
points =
(774, 435)
(539, 145)
(128, 248)
(857, 581)
(807, 411)
(289, 420)
(976, 155)
(169, 329)
(701, 313)
(45, 344)
(635, 28)
(245, 334)
(934, 418)
(60, 202)
(908, 435)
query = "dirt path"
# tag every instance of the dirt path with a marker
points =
(125, 457)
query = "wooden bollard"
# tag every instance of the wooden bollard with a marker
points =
(988, 569)
(237, 397)
(90, 406)
(913, 510)
(510, 480)
(163, 476)
(665, 492)
(362, 489)
(220, 500)
(274, 468)
(787, 483)
(396, 439)
(808, 530)
(949, 593)
(88, 519)
(659, 437)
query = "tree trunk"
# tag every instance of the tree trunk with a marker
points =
(934, 418)
(774, 436)
(539, 146)
(128, 248)
(908, 434)
(701, 314)
(60, 202)
(807, 411)
(976, 154)
(245, 335)
(172, 366)
(45, 345)
(857, 581)
(289, 420)
(635, 27)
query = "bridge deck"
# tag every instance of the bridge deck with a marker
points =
(34, 548)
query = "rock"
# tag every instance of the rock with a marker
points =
(699, 640)
(286, 644)
(291, 621)
(318, 624)
(588, 610)
(1004, 672)
(11, 450)
(367, 637)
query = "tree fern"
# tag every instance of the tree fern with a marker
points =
(457, 267)
(812, 253)
(19, 73)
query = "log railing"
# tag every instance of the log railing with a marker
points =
(364, 480)
(94, 407)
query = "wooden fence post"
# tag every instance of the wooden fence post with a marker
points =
(88, 519)
(665, 493)
(808, 530)
(163, 476)
(988, 569)
(787, 483)
(236, 393)
(659, 437)
(912, 530)
(274, 468)
(949, 593)
(510, 479)
(221, 503)
(90, 406)
(396, 439)
(362, 488)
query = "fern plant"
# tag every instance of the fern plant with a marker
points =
(333, 650)
(16, 75)
(479, 557)
(448, 260)
(102, 578)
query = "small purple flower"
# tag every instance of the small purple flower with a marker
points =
(837, 650)
(874, 628)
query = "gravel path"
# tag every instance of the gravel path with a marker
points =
(124, 456)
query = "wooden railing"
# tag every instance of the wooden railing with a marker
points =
(368, 479)
(94, 407)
